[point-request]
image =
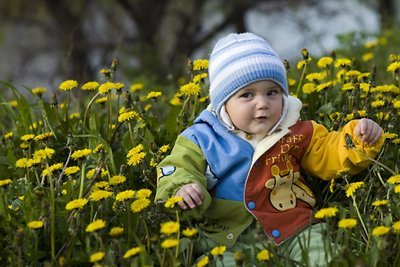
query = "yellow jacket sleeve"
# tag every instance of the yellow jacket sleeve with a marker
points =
(328, 153)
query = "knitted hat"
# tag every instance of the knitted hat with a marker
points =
(238, 60)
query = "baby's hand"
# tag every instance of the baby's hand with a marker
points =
(192, 195)
(368, 131)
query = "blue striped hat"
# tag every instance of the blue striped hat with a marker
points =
(238, 60)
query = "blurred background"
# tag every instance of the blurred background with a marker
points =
(44, 42)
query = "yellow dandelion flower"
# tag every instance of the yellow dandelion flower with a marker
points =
(292, 82)
(203, 262)
(395, 66)
(153, 95)
(323, 86)
(46, 153)
(136, 158)
(309, 88)
(367, 57)
(204, 99)
(5, 182)
(99, 148)
(119, 86)
(397, 189)
(97, 256)
(352, 73)
(9, 135)
(79, 154)
(199, 77)
(363, 76)
(371, 43)
(331, 185)
(101, 100)
(377, 103)
(136, 87)
(348, 87)
(395, 179)
(27, 137)
(169, 228)
(95, 225)
(353, 187)
(189, 232)
(170, 203)
(132, 252)
(39, 91)
(176, 100)
(22, 163)
(90, 86)
(125, 195)
(68, 85)
(99, 195)
(323, 62)
(143, 193)
(379, 203)
(396, 227)
(380, 231)
(43, 136)
(343, 171)
(190, 89)
(116, 231)
(396, 104)
(72, 170)
(164, 149)
(106, 87)
(117, 179)
(264, 255)
(326, 213)
(76, 204)
(35, 224)
(316, 76)
(101, 185)
(140, 204)
(200, 64)
(362, 113)
(347, 223)
(301, 64)
(169, 243)
(218, 251)
(342, 62)
(13, 103)
(90, 173)
(127, 116)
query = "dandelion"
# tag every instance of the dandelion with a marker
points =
(323, 62)
(143, 193)
(119, 86)
(117, 179)
(99, 195)
(377, 103)
(71, 170)
(264, 255)
(76, 204)
(393, 67)
(309, 88)
(95, 225)
(98, 256)
(323, 86)
(23, 163)
(347, 223)
(396, 227)
(13, 103)
(199, 77)
(203, 262)
(190, 232)
(140, 204)
(397, 189)
(164, 149)
(200, 64)
(342, 62)
(347, 87)
(5, 182)
(27, 137)
(170, 203)
(169, 243)
(135, 155)
(136, 87)
(101, 100)
(331, 185)
(106, 87)
(43, 136)
(367, 57)
(8, 135)
(169, 228)
(395, 179)
(116, 231)
(127, 116)
(218, 251)
(35, 224)
(365, 87)
(190, 89)
(317, 76)
(132, 252)
(39, 91)
(68, 85)
(46, 153)
(379, 203)
(380, 231)
(326, 213)
(79, 154)
(125, 195)
(90, 86)
(153, 95)
(353, 187)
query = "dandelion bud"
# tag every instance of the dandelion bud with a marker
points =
(333, 54)
(128, 100)
(305, 54)
(392, 58)
(239, 257)
(114, 64)
(286, 64)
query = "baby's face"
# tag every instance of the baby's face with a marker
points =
(256, 108)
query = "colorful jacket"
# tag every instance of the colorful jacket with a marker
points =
(241, 183)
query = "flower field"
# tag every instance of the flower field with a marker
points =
(78, 176)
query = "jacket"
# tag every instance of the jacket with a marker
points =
(241, 183)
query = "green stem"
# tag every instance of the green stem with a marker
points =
(147, 232)
(109, 116)
(303, 74)
(376, 162)
(131, 133)
(88, 108)
(52, 217)
(82, 179)
(178, 236)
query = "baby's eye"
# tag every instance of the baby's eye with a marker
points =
(246, 95)
(272, 92)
